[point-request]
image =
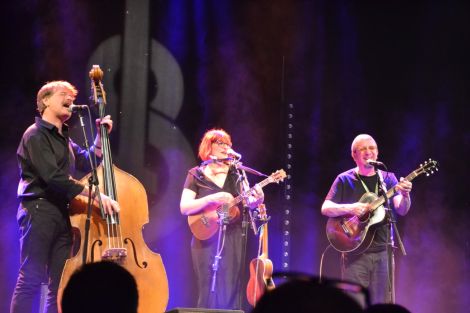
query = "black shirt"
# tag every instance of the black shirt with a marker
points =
(47, 161)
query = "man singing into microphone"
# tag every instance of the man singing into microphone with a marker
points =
(47, 158)
(370, 268)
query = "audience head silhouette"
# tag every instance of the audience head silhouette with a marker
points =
(309, 296)
(386, 308)
(100, 287)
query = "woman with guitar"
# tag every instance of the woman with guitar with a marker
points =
(349, 204)
(208, 190)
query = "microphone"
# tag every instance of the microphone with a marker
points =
(77, 107)
(234, 154)
(375, 163)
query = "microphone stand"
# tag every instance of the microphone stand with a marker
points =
(220, 247)
(243, 187)
(92, 181)
(391, 221)
(248, 218)
(243, 169)
(223, 222)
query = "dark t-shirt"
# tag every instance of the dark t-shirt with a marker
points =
(348, 188)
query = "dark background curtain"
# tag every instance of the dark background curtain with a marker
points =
(397, 70)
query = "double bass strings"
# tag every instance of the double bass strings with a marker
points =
(115, 240)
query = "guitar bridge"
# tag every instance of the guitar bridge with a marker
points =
(346, 229)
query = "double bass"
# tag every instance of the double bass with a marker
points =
(261, 268)
(117, 237)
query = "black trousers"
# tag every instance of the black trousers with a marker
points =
(45, 245)
(229, 275)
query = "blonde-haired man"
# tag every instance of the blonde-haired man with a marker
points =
(47, 158)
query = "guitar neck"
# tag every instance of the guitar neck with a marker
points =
(381, 200)
(243, 195)
(264, 240)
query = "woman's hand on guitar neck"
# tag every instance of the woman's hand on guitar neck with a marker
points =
(256, 197)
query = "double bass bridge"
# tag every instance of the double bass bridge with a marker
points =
(114, 254)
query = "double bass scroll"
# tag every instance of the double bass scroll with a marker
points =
(118, 237)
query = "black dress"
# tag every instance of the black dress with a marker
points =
(228, 281)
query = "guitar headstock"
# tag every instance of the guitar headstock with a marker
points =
(429, 167)
(277, 176)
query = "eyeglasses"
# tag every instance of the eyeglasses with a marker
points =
(222, 144)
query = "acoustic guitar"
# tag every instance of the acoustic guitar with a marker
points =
(261, 268)
(351, 233)
(204, 225)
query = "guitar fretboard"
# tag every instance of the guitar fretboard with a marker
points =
(245, 194)
(381, 200)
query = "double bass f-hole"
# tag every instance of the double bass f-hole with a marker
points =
(144, 263)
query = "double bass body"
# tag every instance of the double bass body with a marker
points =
(145, 265)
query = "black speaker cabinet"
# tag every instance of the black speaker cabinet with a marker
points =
(202, 310)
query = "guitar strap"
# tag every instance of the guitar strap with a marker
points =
(379, 179)
(364, 184)
(384, 186)
(379, 173)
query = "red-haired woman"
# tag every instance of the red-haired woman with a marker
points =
(206, 188)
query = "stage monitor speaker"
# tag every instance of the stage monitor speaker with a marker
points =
(202, 310)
